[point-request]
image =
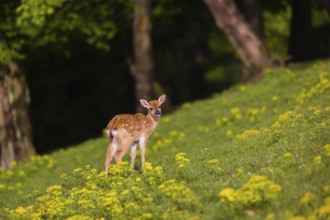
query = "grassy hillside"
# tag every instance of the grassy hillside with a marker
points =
(258, 150)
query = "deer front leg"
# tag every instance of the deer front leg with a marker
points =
(142, 146)
(133, 155)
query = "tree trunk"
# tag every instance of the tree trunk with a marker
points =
(143, 62)
(246, 43)
(15, 129)
(254, 17)
(301, 30)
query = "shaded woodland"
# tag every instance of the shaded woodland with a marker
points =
(67, 67)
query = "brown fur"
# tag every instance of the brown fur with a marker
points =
(127, 130)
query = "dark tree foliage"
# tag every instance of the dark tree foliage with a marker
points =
(47, 32)
(301, 45)
(78, 55)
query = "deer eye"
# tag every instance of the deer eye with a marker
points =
(150, 109)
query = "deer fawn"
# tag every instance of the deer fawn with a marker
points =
(125, 131)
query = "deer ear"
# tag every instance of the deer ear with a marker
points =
(161, 99)
(144, 103)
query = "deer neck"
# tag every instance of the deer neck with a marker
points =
(154, 119)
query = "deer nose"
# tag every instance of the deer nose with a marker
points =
(157, 113)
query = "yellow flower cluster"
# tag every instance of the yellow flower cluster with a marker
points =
(12, 187)
(287, 155)
(252, 114)
(178, 192)
(173, 137)
(87, 194)
(275, 98)
(283, 119)
(257, 190)
(153, 175)
(255, 113)
(214, 162)
(289, 119)
(203, 129)
(186, 105)
(229, 133)
(307, 198)
(236, 112)
(22, 172)
(37, 161)
(322, 212)
(181, 160)
(221, 121)
(246, 134)
(43, 160)
(327, 150)
(318, 89)
(318, 159)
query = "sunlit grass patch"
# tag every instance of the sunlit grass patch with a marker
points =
(255, 151)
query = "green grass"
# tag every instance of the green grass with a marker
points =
(257, 150)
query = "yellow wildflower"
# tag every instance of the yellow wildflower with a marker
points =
(13, 163)
(287, 155)
(242, 88)
(181, 160)
(274, 98)
(79, 217)
(54, 188)
(218, 122)
(270, 216)
(318, 160)
(182, 136)
(214, 162)
(307, 198)
(229, 133)
(186, 105)
(20, 210)
(240, 171)
(225, 120)
(77, 170)
(236, 112)
(285, 116)
(324, 211)
(246, 134)
(227, 194)
(2, 186)
(125, 192)
(297, 218)
(173, 133)
(327, 149)
(326, 188)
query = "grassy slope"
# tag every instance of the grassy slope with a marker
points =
(288, 153)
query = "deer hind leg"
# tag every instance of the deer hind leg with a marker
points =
(112, 148)
(124, 145)
(110, 152)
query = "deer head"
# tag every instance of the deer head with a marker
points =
(153, 107)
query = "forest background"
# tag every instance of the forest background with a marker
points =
(68, 66)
